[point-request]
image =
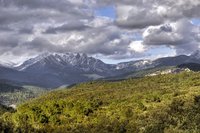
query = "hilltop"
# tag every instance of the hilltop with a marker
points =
(163, 103)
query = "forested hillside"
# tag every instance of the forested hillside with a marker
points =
(4, 109)
(160, 104)
(192, 66)
(14, 95)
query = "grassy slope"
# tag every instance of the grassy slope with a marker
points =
(165, 103)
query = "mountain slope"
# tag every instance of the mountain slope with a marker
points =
(4, 87)
(11, 74)
(164, 103)
(52, 70)
(142, 68)
(191, 66)
(134, 65)
(12, 95)
(69, 61)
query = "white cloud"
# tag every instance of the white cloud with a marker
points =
(137, 46)
(181, 35)
(35, 26)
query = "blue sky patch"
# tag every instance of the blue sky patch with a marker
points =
(196, 21)
(108, 11)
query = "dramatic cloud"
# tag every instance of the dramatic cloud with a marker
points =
(71, 26)
(181, 35)
(31, 27)
(134, 17)
(143, 13)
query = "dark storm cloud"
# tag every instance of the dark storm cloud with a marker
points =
(42, 26)
(39, 45)
(143, 13)
(39, 11)
(18, 47)
(71, 26)
(11, 42)
(165, 22)
(181, 35)
(61, 5)
(5, 29)
(105, 41)
(25, 31)
(35, 26)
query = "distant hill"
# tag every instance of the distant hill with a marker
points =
(163, 103)
(12, 95)
(4, 87)
(191, 66)
(137, 74)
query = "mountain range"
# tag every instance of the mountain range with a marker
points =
(52, 70)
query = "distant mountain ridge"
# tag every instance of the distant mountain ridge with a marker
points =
(191, 66)
(56, 69)
(80, 62)
(51, 70)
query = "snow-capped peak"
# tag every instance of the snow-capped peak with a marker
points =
(62, 60)
(32, 61)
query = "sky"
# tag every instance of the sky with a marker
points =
(111, 30)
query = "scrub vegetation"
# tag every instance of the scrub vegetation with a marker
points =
(161, 104)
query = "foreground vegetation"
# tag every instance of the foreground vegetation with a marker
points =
(160, 104)
(4, 109)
